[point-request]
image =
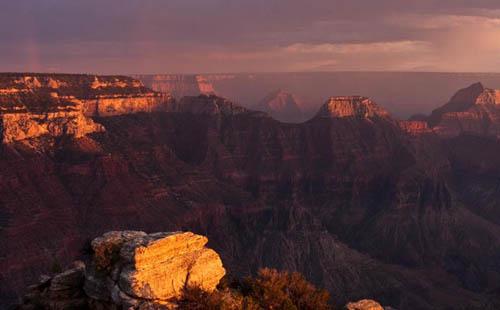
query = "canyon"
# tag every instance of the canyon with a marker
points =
(402, 93)
(361, 203)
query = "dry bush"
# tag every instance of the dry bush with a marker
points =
(271, 289)
(194, 298)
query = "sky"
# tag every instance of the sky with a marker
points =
(209, 36)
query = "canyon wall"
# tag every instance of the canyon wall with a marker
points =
(178, 85)
(472, 110)
(361, 204)
(33, 105)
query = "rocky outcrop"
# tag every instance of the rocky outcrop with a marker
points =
(282, 106)
(354, 106)
(207, 105)
(112, 105)
(153, 267)
(33, 105)
(32, 112)
(414, 127)
(365, 304)
(178, 85)
(131, 270)
(65, 121)
(62, 291)
(472, 110)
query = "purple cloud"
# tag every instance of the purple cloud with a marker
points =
(131, 36)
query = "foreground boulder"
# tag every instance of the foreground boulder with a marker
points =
(63, 291)
(132, 269)
(132, 266)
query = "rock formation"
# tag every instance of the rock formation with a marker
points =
(354, 106)
(282, 106)
(33, 105)
(62, 291)
(178, 85)
(67, 120)
(349, 198)
(207, 105)
(29, 113)
(472, 110)
(365, 304)
(131, 269)
(415, 127)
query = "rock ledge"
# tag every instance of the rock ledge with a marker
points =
(132, 269)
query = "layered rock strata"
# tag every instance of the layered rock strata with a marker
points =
(415, 127)
(365, 304)
(207, 105)
(351, 106)
(178, 85)
(472, 110)
(349, 199)
(132, 270)
(33, 105)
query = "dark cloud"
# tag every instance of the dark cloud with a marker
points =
(242, 35)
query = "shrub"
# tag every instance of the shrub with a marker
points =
(194, 298)
(271, 289)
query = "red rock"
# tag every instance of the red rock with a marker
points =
(472, 110)
(353, 106)
(365, 304)
(206, 105)
(348, 198)
(415, 127)
(178, 85)
(141, 272)
(282, 106)
(56, 104)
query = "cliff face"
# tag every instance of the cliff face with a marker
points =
(473, 110)
(207, 105)
(24, 125)
(414, 127)
(33, 105)
(348, 198)
(178, 85)
(359, 107)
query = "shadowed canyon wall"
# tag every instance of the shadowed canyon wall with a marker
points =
(362, 204)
